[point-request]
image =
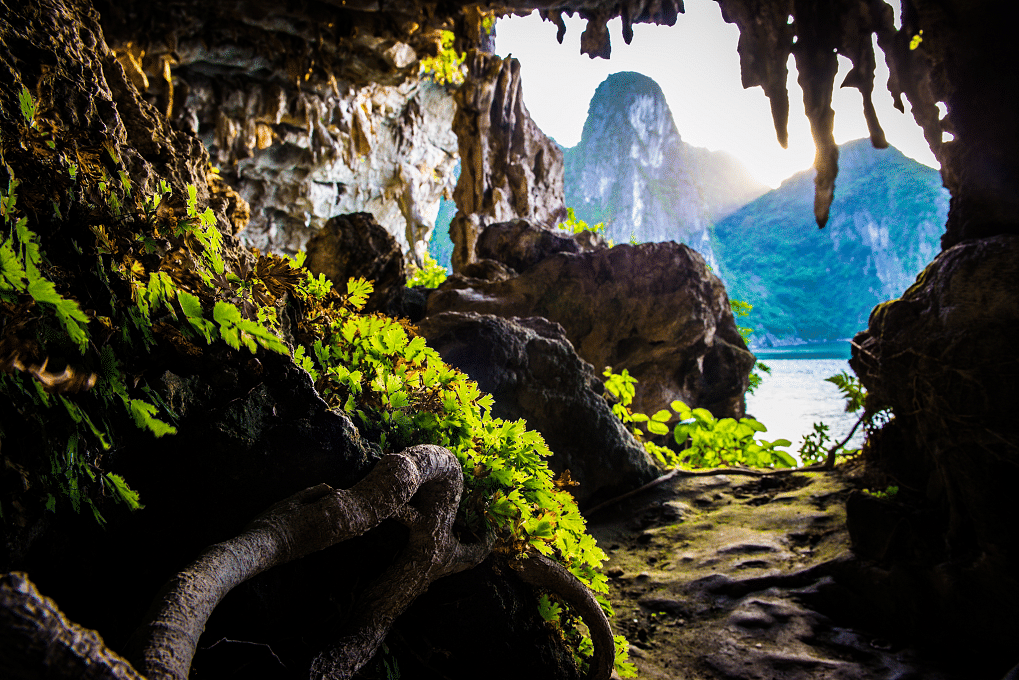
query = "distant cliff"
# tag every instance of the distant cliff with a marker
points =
(632, 170)
(810, 285)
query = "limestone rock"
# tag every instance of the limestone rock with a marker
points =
(944, 359)
(633, 171)
(302, 137)
(509, 169)
(653, 309)
(530, 368)
(352, 246)
(519, 244)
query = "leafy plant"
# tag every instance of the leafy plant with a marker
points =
(709, 442)
(150, 276)
(429, 276)
(400, 392)
(741, 309)
(814, 448)
(888, 492)
(574, 225)
(446, 67)
(146, 276)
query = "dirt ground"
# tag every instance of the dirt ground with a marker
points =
(735, 577)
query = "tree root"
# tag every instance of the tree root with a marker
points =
(37, 640)
(542, 572)
(419, 487)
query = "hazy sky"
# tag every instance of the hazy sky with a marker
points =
(697, 66)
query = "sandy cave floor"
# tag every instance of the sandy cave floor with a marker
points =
(728, 576)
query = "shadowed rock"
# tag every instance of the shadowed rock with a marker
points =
(654, 309)
(943, 359)
(530, 368)
(351, 246)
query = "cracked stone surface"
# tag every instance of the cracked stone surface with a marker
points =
(742, 578)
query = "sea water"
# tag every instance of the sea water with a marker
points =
(795, 395)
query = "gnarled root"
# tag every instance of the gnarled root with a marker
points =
(542, 572)
(309, 521)
(419, 487)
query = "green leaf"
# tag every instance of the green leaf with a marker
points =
(755, 425)
(192, 308)
(12, 273)
(548, 609)
(124, 492)
(657, 428)
(28, 106)
(68, 311)
(785, 459)
(662, 416)
(192, 201)
(143, 412)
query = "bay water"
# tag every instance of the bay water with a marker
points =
(795, 395)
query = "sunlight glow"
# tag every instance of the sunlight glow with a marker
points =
(696, 64)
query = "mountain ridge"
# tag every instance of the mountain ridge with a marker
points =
(812, 285)
(633, 171)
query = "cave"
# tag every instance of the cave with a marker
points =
(163, 164)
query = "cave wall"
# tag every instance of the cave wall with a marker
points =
(330, 60)
(307, 112)
(510, 168)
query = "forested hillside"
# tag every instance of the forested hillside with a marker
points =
(810, 285)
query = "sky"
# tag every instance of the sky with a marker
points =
(696, 64)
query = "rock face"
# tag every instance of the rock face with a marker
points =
(941, 358)
(652, 309)
(353, 246)
(752, 579)
(510, 169)
(530, 368)
(806, 284)
(302, 137)
(632, 170)
(520, 244)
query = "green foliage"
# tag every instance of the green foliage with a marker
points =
(429, 276)
(822, 285)
(814, 448)
(147, 274)
(726, 441)
(851, 389)
(888, 492)
(549, 609)
(400, 392)
(623, 667)
(708, 442)
(28, 106)
(574, 225)
(149, 281)
(446, 67)
(742, 309)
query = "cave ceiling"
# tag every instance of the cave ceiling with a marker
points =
(350, 43)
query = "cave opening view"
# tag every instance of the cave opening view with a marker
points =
(664, 339)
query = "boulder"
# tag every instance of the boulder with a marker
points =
(653, 309)
(519, 245)
(351, 246)
(531, 369)
(943, 358)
